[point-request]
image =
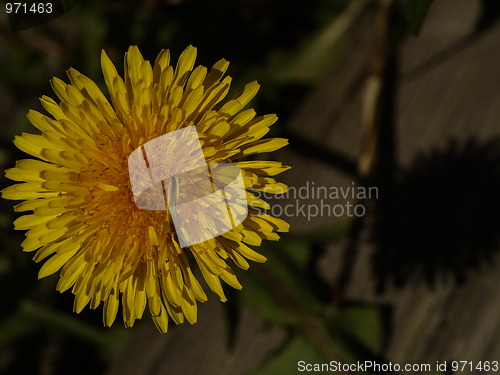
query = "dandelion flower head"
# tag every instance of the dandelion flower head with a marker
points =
(81, 216)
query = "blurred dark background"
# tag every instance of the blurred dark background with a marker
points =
(398, 95)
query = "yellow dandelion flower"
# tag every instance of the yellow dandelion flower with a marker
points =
(95, 215)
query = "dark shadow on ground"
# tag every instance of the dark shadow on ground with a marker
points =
(442, 220)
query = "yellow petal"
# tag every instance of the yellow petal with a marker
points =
(161, 320)
(255, 129)
(116, 86)
(196, 78)
(190, 310)
(184, 66)
(153, 236)
(18, 174)
(241, 100)
(28, 221)
(41, 122)
(216, 73)
(230, 278)
(28, 190)
(280, 225)
(250, 237)
(249, 253)
(81, 300)
(55, 263)
(263, 145)
(161, 63)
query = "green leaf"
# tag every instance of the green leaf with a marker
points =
(329, 233)
(363, 324)
(294, 252)
(31, 317)
(415, 12)
(286, 361)
(258, 296)
(277, 289)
